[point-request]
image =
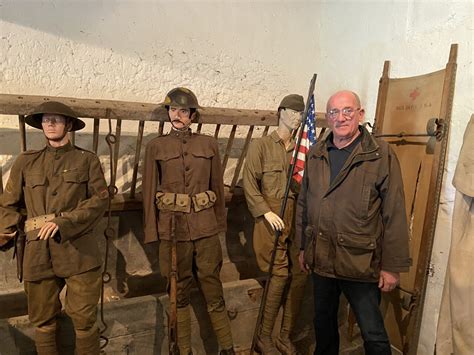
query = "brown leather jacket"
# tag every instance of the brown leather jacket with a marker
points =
(186, 163)
(68, 182)
(356, 226)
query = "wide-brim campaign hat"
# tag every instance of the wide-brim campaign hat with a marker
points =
(56, 108)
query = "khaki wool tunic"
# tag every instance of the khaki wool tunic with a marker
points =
(265, 173)
(264, 178)
(68, 182)
(186, 163)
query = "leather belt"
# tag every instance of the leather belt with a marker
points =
(34, 223)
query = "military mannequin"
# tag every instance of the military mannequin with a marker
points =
(264, 178)
(65, 195)
(183, 182)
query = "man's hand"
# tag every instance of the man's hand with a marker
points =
(388, 280)
(48, 231)
(303, 266)
(275, 221)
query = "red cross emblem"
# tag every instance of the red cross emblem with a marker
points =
(414, 94)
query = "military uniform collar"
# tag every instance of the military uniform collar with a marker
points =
(277, 139)
(59, 150)
(181, 134)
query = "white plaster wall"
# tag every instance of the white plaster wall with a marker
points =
(245, 54)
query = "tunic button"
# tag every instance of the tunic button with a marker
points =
(54, 193)
(185, 141)
(187, 168)
(57, 157)
(187, 184)
(185, 153)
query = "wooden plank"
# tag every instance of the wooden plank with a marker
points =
(241, 158)
(161, 127)
(138, 147)
(95, 135)
(228, 148)
(431, 216)
(118, 133)
(21, 124)
(382, 98)
(12, 104)
(216, 132)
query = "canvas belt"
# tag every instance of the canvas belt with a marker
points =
(171, 201)
(34, 223)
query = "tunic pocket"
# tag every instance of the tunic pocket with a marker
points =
(271, 178)
(33, 180)
(354, 255)
(76, 176)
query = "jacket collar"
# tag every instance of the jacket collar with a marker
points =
(181, 134)
(60, 150)
(277, 139)
(368, 144)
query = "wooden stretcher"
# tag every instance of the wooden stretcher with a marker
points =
(413, 114)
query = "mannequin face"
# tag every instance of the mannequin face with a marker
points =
(290, 118)
(55, 127)
(180, 117)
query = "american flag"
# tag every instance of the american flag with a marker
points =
(307, 140)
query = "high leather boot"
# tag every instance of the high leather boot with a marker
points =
(88, 341)
(265, 344)
(183, 315)
(45, 341)
(291, 308)
(221, 324)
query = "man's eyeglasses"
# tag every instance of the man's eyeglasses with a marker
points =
(347, 112)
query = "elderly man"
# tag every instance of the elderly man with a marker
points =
(264, 178)
(351, 225)
(183, 183)
(65, 195)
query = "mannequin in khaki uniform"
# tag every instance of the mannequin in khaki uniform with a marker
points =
(183, 177)
(265, 177)
(65, 195)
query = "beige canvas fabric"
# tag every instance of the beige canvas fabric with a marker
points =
(456, 321)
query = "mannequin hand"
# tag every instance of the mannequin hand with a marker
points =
(275, 221)
(48, 230)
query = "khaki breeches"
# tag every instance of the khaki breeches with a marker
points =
(200, 259)
(82, 296)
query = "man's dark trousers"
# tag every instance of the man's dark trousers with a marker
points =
(364, 298)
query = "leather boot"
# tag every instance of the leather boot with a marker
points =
(183, 315)
(227, 352)
(270, 311)
(45, 341)
(291, 308)
(88, 341)
(285, 346)
(221, 324)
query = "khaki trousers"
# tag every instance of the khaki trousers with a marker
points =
(201, 258)
(82, 296)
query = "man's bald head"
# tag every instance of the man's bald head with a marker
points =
(344, 93)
